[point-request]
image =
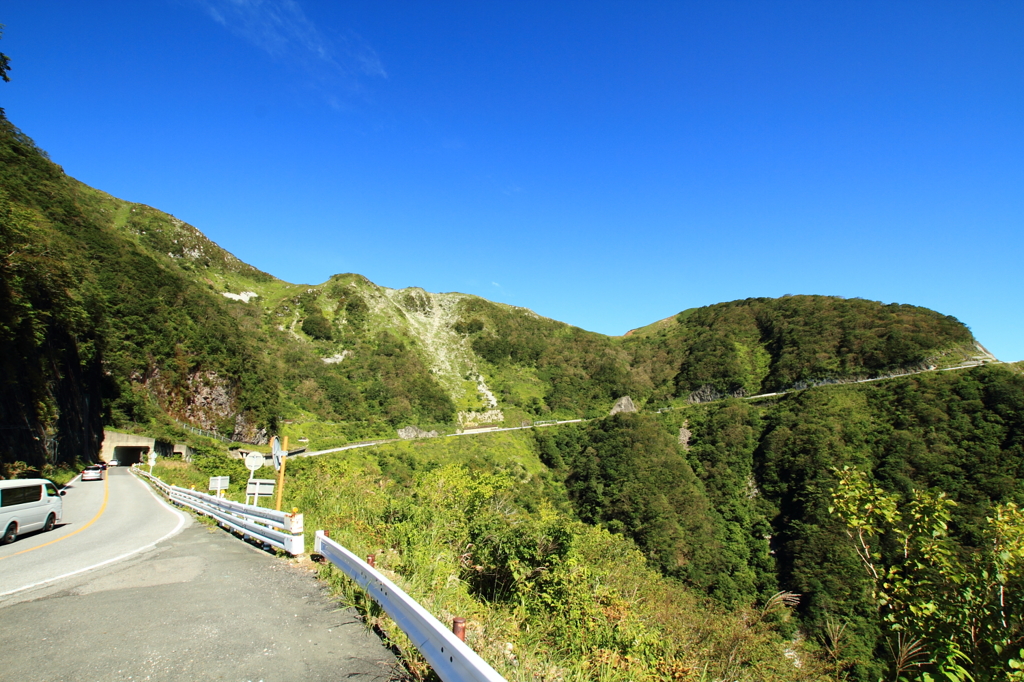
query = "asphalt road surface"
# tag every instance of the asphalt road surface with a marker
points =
(153, 595)
(102, 522)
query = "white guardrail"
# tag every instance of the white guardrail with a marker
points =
(450, 657)
(276, 528)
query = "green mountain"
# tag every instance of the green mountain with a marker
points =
(168, 324)
(98, 327)
(761, 472)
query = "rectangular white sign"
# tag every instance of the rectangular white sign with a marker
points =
(260, 487)
(219, 482)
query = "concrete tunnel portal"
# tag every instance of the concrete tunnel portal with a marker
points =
(128, 448)
(130, 454)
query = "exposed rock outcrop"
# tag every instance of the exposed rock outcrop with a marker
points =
(410, 432)
(247, 432)
(623, 404)
(477, 418)
(336, 358)
(209, 400)
(684, 435)
(243, 297)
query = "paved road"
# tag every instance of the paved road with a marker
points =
(198, 605)
(368, 444)
(103, 522)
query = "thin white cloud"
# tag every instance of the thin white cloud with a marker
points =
(282, 29)
(370, 62)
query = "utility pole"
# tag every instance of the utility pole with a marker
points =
(280, 473)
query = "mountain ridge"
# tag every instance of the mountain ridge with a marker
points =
(182, 327)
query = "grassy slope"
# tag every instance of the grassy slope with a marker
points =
(479, 527)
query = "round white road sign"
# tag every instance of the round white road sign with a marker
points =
(254, 460)
(152, 458)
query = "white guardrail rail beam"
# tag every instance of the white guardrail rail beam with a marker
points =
(276, 528)
(451, 658)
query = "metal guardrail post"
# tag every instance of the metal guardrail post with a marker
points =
(279, 529)
(451, 658)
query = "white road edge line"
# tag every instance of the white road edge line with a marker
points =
(177, 529)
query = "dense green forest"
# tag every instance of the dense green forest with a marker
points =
(762, 345)
(750, 502)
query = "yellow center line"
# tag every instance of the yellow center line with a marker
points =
(103, 508)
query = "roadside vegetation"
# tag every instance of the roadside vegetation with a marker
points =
(61, 475)
(479, 528)
(872, 531)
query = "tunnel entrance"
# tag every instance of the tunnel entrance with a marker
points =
(130, 454)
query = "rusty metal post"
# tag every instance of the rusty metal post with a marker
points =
(459, 628)
(372, 560)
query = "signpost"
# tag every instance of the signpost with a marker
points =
(219, 484)
(253, 462)
(276, 452)
(257, 488)
(152, 461)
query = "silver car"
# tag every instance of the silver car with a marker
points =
(93, 473)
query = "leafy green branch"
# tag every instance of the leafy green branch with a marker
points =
(958, 608)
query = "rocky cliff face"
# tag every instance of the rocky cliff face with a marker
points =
(247, 431)
(51, 411)
(623, 404)
(207, 400)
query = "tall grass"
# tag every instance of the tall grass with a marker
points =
(544, 596)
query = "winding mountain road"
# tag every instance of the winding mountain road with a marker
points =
(127, 588)
(103, 522)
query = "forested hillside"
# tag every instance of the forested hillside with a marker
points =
(891, 509)
(762, 345)
(95, 330)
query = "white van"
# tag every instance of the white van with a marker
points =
(26, 505)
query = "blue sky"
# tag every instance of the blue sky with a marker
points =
(603, 163)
